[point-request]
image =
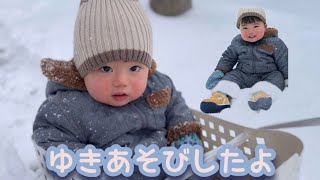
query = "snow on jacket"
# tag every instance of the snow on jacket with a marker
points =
(72, 117)
(266, 55)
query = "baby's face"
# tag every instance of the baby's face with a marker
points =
(117, 83)
(253, 32)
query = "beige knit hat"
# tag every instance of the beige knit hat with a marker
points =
(111, 30)
(244, 12)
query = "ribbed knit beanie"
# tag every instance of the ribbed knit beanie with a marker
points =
(244, 12)
(111, 30)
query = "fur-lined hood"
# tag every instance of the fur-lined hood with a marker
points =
(271, 32)
(65, 73)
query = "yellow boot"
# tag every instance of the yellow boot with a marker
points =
(216, 103)
(260, 100)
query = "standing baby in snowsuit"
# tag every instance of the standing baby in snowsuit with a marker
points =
(111, 93)
(261, 60)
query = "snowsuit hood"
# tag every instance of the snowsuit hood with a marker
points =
(66, 73)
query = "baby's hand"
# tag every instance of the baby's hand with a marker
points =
(214, 78)
(191, 139)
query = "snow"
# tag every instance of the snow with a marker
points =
(186, 47)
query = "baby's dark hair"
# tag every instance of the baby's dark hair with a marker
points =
(250, 19)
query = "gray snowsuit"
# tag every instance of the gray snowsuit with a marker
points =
(74, 118)
(264, 60)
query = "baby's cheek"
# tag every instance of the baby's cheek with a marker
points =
(99, 93)
(138, 88)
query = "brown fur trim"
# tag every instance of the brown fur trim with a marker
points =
(66, 73)
(181, 130)
(270, 32)
(160, 98)
(153, 68)
(267, 47)
(62, 72)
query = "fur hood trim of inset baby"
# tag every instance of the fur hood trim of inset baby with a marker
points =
(271, 32)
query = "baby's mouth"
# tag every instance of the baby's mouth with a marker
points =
(120, 96)
(252, 36)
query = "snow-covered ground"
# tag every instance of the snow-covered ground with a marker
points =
(186, 47)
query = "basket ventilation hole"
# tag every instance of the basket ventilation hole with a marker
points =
(202, 122)
(221, 129)
(204, 133)
(232, 133)
(211, 125)
(260, 140)
(213, 137)
(247, 150)
(206, 145)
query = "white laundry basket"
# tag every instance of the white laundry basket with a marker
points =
(216, 132)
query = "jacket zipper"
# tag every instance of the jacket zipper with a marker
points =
(254, 60)
(143, 118)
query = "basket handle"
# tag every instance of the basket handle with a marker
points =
(294, 124)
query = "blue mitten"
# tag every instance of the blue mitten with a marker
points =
(214, 78)
(191, 139)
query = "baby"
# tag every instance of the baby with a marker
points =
(261, 60)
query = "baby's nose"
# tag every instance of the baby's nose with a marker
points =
(120, 80)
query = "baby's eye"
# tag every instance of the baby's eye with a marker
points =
(106, 69)
(135, 68)
(256, 26)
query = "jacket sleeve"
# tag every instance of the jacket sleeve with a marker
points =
(229, 58)
(180, 121)
(281, 58)
(52, 127)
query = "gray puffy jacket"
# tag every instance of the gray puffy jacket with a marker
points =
(73, 118)
(266, 55)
